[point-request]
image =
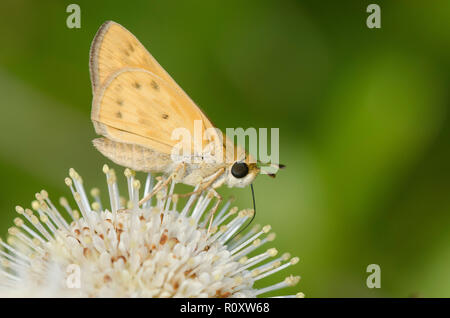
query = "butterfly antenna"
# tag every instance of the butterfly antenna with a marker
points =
(254, 213)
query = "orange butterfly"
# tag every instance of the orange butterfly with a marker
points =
(137, 106)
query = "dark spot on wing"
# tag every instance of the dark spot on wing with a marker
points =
(146, 59)
(154, 85)
(126, 52)
(165, 116)
(131, 47)
(137, 85)
(119, 102)
(119, 115)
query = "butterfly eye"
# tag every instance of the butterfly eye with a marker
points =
(239, 169)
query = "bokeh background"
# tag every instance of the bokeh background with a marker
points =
(363, 118)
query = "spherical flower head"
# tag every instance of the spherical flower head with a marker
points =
(136, 247)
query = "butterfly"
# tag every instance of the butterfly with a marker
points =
(137, 106)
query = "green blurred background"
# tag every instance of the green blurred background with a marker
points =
(363, 118)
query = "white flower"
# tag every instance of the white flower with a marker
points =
(127, 250)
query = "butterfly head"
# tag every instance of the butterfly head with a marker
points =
(241, 173)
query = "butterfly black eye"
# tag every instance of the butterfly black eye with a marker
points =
(239, 169)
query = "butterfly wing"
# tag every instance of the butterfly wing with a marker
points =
(137, 107)
(135, 99)
(114, 48)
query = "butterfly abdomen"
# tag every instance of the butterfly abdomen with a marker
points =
(133, 156)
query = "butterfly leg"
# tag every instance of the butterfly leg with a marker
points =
(205, 185)
(162, 183)
(214, 208)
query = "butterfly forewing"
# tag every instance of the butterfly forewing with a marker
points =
(114, 48)
(138, 102)
(135, 99)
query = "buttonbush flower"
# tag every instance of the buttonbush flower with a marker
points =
(90, 248)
